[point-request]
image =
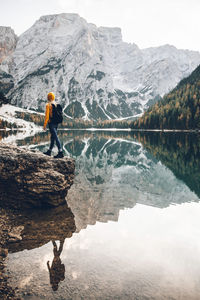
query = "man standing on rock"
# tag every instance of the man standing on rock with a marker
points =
(51, 120)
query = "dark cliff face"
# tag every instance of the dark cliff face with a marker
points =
(3, 99)
(6, 83)
(31, 179)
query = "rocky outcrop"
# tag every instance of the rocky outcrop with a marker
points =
(31, 179)
(3, 99)
(8, 42)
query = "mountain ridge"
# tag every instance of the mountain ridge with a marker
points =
(179, 109)
(94, 74)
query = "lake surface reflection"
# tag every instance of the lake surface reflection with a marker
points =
(132, 225)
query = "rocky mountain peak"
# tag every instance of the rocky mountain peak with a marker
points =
(6, 32)
(64, 16)
(112, 34)
(93, 73)
(8, 41)
(61, 24)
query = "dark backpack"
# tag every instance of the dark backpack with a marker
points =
(57, 114)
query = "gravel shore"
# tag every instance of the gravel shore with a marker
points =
(6, 292)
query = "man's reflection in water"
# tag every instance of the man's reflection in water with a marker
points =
(57, 269)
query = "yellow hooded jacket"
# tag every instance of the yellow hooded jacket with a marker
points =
(48, 114)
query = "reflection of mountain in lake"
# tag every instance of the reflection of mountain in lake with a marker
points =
(180, 152)
(136, 257)
(114, 172)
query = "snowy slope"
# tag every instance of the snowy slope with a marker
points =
(9, 113)
(93, 73)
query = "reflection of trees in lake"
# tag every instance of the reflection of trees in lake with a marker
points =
(5, 134)
(180, 152)
(105, 158)
(114, 171)
(43, 137)
(37, 139)
(113, 174)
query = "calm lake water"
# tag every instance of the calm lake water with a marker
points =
(132, 229)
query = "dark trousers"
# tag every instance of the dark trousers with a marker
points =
(54, 136)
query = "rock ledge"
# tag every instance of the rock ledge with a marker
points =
(32, 179)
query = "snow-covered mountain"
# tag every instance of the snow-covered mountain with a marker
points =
(93, 73)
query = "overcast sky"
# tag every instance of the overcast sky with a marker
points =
(146, 23)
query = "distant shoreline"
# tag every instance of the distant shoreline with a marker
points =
(113, 129)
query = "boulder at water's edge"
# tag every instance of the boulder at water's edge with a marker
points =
(32, 179)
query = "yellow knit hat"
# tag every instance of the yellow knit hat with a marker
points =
(50, 96)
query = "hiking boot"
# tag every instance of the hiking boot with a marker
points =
(59, 155)
(48, 153)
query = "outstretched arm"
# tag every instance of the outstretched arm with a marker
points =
(46, 116)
